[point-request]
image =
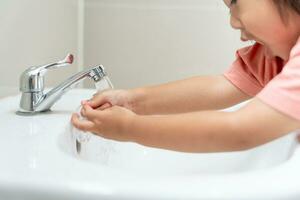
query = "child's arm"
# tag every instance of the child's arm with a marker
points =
(197, 93)
(206, 131)
(212, 131)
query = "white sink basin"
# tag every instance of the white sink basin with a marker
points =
(39, 161)
(134, 158)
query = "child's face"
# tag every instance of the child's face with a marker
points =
(260, 20)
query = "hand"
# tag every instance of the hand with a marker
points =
(111, 123)
(110, 98)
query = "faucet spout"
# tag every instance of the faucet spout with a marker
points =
(47, 100)
(34, 100)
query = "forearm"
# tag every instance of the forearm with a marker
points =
(197, 93)
(207, 131)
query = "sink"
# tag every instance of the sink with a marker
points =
(134, 158)
(40, 161)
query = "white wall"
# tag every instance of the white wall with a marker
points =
(147, 42)
(35, 32)
(139, 42)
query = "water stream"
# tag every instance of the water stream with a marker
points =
(82, 138)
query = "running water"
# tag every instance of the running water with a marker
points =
(82, 137)
(104, 84)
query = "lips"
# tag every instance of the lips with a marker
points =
(244, 39)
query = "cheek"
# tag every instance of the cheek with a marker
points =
(263, 28)
(263, 20)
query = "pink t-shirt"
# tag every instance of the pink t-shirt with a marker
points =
(273, 81)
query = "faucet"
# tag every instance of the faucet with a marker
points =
(34, 100)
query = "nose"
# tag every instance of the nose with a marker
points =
(235, 23)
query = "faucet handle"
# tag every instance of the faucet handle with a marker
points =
(66, 61)
(42, 69)
(32, 79)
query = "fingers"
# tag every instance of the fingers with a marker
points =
(90, 113)
(97, 100)
(104, 106)
(82, 124)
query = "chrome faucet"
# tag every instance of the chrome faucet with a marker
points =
(34, 100)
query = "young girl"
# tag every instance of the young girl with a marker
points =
(184, 115)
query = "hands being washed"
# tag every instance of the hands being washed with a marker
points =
(107, 98)
(108, 115)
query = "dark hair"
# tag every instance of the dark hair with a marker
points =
(292, 4)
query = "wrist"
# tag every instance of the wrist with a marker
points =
(131, 128)
(137, 102)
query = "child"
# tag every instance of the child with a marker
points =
(184, 116)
